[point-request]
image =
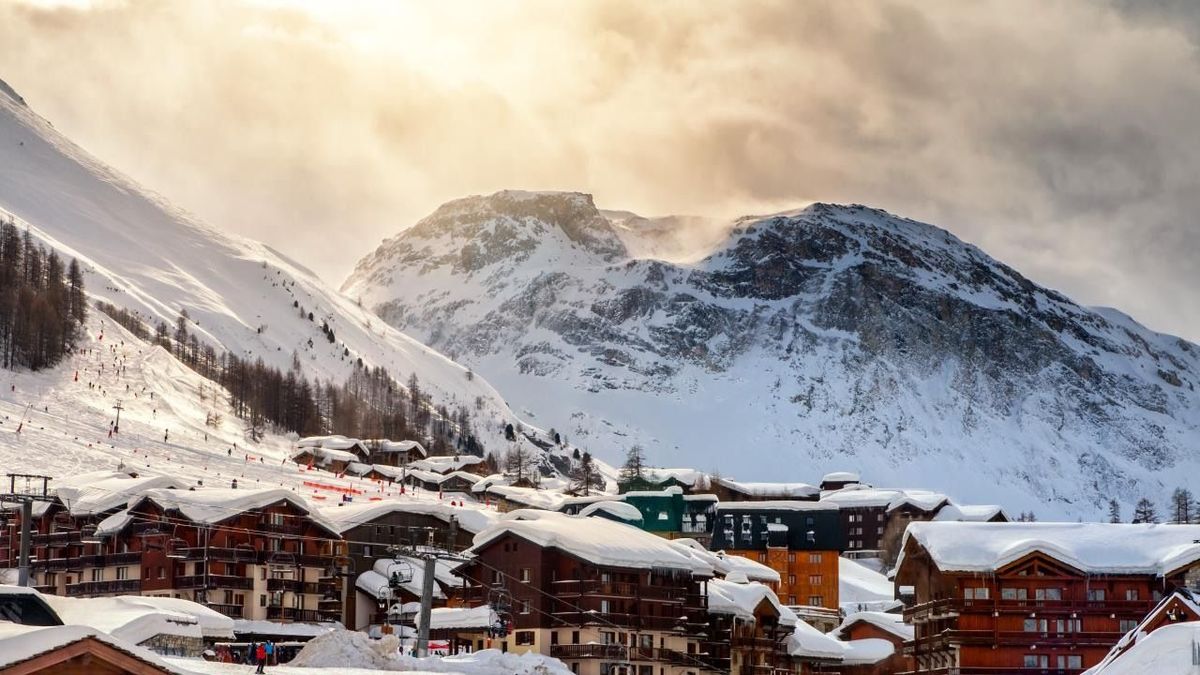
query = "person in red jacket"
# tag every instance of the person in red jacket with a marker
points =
(260, 655)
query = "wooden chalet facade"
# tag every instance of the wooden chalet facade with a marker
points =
(254, 554)
(600, 612)
(800, 540)
(1034, 597)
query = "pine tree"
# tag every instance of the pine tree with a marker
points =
(1144, 512)
(1182, 506)
(1114, 511)
(635, 463)
(584, 476)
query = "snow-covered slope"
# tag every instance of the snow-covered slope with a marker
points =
(825, 338)
(141, 253)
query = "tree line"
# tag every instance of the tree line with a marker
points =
(42, 302)
(369, 404)
(1182, 509)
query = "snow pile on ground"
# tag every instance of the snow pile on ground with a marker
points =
(863, 589)
(1170, 650)
(351, 649)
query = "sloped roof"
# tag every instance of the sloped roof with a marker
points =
(216, 505)
(782, 490)
(344, 517)
(890, 623)
(617, 509)
(741, 600)
(1098, 548)
(596, 540)
(725, 564)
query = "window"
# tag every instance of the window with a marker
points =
(524, 606)
(1095, 595)
(762, 557)
(608, 637)
(1037, 660)
(1014, 594)
(1070, 661)
(791, 600)
(1128, 625)
(816, 600)
(1131, 594)
(1035, 626)
(526, 575)
(553, 637)
(524, 637)
(879, 530)
(662, 515)
(161, 572)
(814, 558)
(367, 551)
(98, 574)
(792, 579)
(604, 607)
(980, 593)
(1062, 626)
(814, 579)
(574, 637)
(791, 557)
(1048, 594)
(122, 573)
(497, 577)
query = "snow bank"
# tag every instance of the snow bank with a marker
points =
(351, 649)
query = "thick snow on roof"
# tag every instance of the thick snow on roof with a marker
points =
(596, 540)
(969, 513)
(740, 600)
(794, 490)
(137, 619)
(778, 505)
(100, 491)
(290, 628)
(541, 499)
(862, 588)
(325, 455)
(809, 642)
(347, 651)
(113, 524)
(627, 512)
(922, 499)
(460, 617)
(214, 505)
(685, 476)
(20, 643)
(444, 464)
(840, 477)
(388, 446)
(892, 623)
(866, 651)
(343, 517)
(1167, 650)
(332, 442)
(725, 564)
(1104, 548)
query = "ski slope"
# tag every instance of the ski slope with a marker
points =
(141, 253)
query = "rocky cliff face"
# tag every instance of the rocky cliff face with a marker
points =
(829, 337)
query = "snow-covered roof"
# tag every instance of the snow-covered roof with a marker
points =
(215, 505)
(866, 651)
(683, 475)
(921, 499)
(1098, 548)
(443, 464)
(460, 618)
(724, 564)
(384, 445)
(621, 510)
(137, 619)
(333, 442)
(777, 505)
(20, 643)
(289, 628)
(742, 599)
(344, 517)
(358, 469)
(890, 623)
(326, 455)
(861, 588)
(1170, 649)
(98, 492)
(863, 496)
(969, 513)
(840, 477)
(782, 490)
(596, 540)
(113, 524)
(808, 642)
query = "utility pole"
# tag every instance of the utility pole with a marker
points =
(429, 555)
(117, 425)
(426, 606)
(26, 497)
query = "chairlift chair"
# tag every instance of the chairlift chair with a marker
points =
(87, 535)
(281, 561)
(244, 553)
(399, 573)
(177, 548)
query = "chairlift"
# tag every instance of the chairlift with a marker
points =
(177, 548)
(63, 522)
(500, 601)
(244, 553)
(87, 535)
(399, 573)
(281, 561)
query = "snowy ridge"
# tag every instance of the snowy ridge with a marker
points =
(832, 336)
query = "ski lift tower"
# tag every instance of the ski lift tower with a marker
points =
(430, 556)
(25, 489)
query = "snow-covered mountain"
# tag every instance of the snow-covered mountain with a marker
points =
(824, 338)
(141, 253)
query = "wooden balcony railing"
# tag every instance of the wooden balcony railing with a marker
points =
(132, 586)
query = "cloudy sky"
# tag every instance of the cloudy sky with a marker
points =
(1062, 137)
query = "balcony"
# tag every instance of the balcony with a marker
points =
(952, 607)
(590, 651)
(995, 670)
(213, 581)
(619, 589)
(231, 611)
(276, 613)
(127, 586)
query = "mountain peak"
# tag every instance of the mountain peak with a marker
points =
(7, 90)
